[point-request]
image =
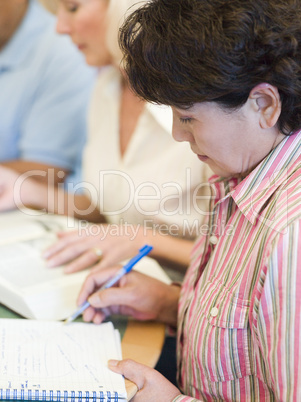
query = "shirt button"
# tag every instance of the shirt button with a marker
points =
(213, 239)
(214, 312)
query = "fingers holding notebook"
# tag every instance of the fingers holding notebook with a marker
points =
(152, 386)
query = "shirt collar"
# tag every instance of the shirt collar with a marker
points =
(252, 193)
(13, 54)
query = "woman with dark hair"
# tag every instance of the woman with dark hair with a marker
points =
(135, 190)
(231, 71)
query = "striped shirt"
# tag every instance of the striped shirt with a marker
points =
(239, 326)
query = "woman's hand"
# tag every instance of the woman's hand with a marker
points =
(152, 386)
(79, 248)
(136, 295)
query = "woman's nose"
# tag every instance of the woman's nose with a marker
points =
(62, 24)
(180, 134)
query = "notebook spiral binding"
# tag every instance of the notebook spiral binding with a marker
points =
(57, 396)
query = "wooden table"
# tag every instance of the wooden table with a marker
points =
(142, 342)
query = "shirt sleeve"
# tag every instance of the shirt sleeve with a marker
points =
(279, 318)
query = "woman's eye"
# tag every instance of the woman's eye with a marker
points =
(71, 7)
(185, 120)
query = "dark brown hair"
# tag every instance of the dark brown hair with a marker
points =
(181, 52)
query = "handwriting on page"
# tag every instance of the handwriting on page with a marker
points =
(47, 356)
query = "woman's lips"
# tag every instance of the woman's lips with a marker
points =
(81, 47)
(203, 158)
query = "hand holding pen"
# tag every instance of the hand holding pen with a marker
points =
(123, 271)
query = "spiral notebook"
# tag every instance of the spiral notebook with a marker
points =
(50, 361)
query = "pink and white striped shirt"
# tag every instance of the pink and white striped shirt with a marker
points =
(239, 323)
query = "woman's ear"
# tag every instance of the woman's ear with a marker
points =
(266, 101)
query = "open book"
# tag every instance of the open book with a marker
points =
(47, 360)
(27, 286)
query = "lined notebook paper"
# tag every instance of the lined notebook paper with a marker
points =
(45, 360)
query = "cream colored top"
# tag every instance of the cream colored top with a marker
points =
(155, 181)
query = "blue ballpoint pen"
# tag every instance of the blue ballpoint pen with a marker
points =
(124, 270)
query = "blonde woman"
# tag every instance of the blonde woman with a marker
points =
(139, 183)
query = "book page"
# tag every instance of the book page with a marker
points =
(22, 265)
(32, 289)
(30, 224)
(27, 285)
(50, 356)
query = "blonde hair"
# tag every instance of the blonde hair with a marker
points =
(118, 10)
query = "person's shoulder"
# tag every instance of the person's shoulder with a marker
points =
(57, 47)
(284, 206)
(38, 20)
(291, 187)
